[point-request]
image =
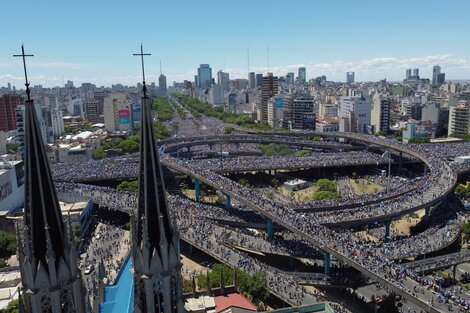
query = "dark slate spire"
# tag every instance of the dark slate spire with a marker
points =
(153, 218)
(42, 213)
(47, 256)
(156, 255)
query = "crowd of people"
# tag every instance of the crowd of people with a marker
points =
(440, 178)
(106, 251)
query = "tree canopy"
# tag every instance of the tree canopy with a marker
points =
(132, 186)
(253, 286)
(197, 108)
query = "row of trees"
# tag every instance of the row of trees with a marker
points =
(198, 108)
(128, 145)
(163, 109)
(281, 150)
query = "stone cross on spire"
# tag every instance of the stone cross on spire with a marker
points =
(142, 54)
(24, 66)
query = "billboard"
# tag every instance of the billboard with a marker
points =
(309, 121)
(278, 103)
(124, 116)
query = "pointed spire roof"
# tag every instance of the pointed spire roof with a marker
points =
(153, 219)
(152, 212)
(42, 213)
(42, 216)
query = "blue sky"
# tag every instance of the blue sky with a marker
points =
(92, 41)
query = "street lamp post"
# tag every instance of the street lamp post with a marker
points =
(389, 166)
(388, 153)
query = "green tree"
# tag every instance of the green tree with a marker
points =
(128, 146)
(466, 231)
(244, 182)
(7, 244)
(275, 149)
(463, 191)
(3, 263)
(132, 186)
(418, 140)
(187, 286)
(324, 184)
(253, 286)
(323, 195)
(99, 153)
(161, 132)
(275, 182)
(13, 146)
(316, 138)
(12, 307)
(302, 153)
(228, 129)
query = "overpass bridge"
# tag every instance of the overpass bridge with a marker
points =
(439, 262)
(345, 258)
(308, 228)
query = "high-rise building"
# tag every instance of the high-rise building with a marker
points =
(94, 108)
(290, 78)
(269, 89)
(441, 79)
(117, 112)
(204, 74)
(380, 113)
(416, 72)
(162, 88)
(76, 107)
(216, 94)
(357, 110)
(53, 123)
(459, 119)
(251, 80)
(408, 73)
(259, 80)
(438, 78)
(350, 77)
(276, 108)
(232, 101)
(436, 70)
(8, 105)
(302, 74)
(302, 108)
(223, 79)
(20, 116)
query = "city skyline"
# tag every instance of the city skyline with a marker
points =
(89, 42)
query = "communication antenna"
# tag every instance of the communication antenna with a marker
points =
(268, 59)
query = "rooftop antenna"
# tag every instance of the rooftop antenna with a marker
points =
(160, 67)
(224, 63)
(28, 92)
(268, 59)
(142, 54)
(248, 57)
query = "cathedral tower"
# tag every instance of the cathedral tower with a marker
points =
(46, 249)
(155, 240)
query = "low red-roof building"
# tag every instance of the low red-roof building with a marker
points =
(233, 302)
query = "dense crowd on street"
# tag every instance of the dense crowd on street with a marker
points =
(378, 262)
